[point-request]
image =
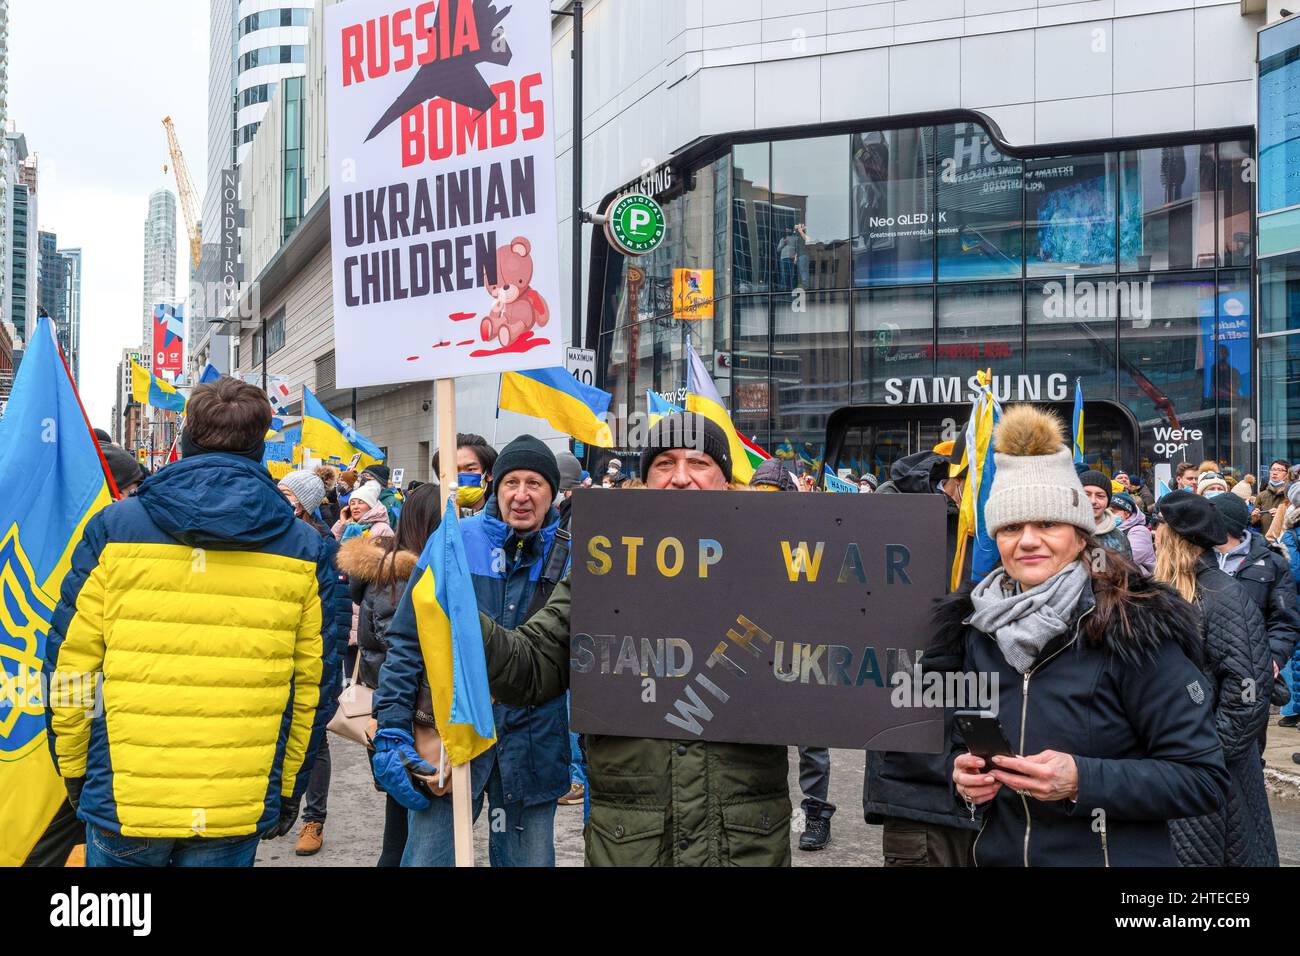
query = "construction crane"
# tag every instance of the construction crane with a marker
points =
(188, 196)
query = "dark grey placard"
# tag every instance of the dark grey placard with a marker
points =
(632, 635)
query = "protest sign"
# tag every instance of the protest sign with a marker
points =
(750, 618)
(442, 189)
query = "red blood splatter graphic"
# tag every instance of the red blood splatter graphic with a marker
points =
(525, 343)
(413, 358)
(462, 316)
(466, 342)
(439, 345)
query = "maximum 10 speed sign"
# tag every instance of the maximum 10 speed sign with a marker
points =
(635, 224)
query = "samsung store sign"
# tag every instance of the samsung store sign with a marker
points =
(949, 389)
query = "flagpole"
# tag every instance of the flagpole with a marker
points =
(462, 821)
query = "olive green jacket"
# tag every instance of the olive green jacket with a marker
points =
(653, 802)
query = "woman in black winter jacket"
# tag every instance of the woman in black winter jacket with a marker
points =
(378, 570)
(1093, 663)
(1239, 672)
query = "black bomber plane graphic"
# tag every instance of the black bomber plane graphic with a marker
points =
(456, 79)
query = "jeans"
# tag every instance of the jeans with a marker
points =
(110, 849)
(815, 781)
(314, 802)
(1291, 707)
(520, 835)
(577, 763)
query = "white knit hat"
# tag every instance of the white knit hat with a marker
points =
(1035, 479)
(306, 487)
(369, 493)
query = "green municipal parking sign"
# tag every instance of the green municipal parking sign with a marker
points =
(635, 224)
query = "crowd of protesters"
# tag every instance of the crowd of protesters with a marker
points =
(1139, 642)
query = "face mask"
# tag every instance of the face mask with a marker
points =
(1213, 494)
(1276, 484)
(470, 492)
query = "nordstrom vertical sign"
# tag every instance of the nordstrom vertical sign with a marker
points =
(229, 277)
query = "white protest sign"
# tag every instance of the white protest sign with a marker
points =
(398, 475)
(444, 230)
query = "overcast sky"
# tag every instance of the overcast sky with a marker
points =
(89, 84)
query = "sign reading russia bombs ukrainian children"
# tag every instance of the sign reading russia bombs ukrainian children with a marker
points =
(752, 618)
(443, 221)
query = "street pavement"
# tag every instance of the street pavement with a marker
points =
(354, 828)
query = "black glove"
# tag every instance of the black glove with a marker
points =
(74, 785)
(288, 816)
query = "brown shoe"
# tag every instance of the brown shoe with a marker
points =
(574, 796)
(310, 839)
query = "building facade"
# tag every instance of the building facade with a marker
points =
(159, 278)
(891, 196)
(70, 332)
(22, 250)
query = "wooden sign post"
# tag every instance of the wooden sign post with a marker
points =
(463, 823)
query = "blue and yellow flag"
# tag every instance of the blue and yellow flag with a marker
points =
(658, 407)
(149, 389)
(702, 397)
(1077, 421)
(329, 437)
(53, 476)
(567, 404)
(451, 642)
(980, 464)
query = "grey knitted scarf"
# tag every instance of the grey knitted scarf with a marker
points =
(1022, 622)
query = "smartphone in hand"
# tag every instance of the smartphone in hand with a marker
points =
(984, 735)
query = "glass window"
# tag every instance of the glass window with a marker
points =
(751, 205)
(751, 404)
(1070, 331)
(1279, 382)
(1167, 369)
(1167, 208)
(1070, 215)
(809, 217)
(980, 206)
(1236, 176)
(1279, 124)
(810, 363)
(1279, 293)
(275, 334)
(1232, 368)
(980, 327)
(893, 202)
(893, 342)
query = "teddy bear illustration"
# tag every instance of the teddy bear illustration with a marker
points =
(519, 307)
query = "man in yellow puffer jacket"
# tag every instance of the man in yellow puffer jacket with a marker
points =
(192, 659)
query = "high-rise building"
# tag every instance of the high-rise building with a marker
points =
(251, 50)
(159, 260)
(123, 400)
(21, 242)
(72, 296)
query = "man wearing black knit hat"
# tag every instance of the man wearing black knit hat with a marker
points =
(1097, 487)
(654, 802)
(510, 547)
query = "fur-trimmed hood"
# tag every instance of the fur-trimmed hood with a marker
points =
(1156, 615)
(360, 558)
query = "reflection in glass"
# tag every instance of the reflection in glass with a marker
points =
(979, 328)
(1167, 208)
(751, 230)
(810, 363)
(1070, 214)
(751, 404)
(1167, 369)
(1232, 368)
(1068, 334)
(980, 210)
(809, 218)
(1236, 163)
(893, 205)
(893, 341)
(1279, 293)
(1279, 383)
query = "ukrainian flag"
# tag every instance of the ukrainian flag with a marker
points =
(149, 389)
(567, 404)
(329, 437)
(981, 467)
(451, 643)
(658, 407)
(1077, 420)
(702, 397)
(54, 479)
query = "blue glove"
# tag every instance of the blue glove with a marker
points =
(394, 761)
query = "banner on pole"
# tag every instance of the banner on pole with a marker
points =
(442, 189)
(763, 619)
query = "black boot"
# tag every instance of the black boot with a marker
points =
(1289, 721)
(817, 825)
